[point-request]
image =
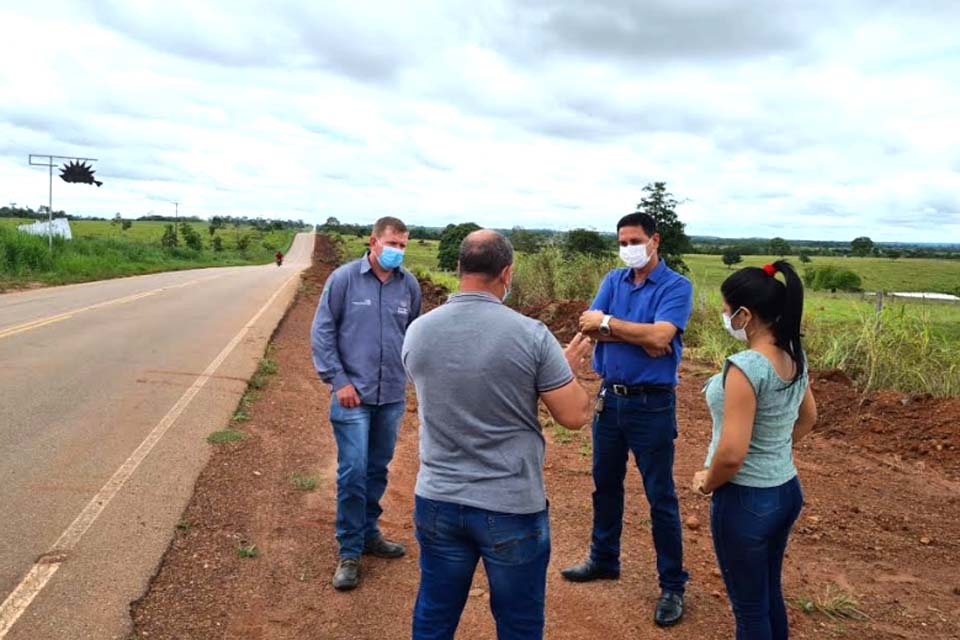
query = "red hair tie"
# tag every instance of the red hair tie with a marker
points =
(770, 270)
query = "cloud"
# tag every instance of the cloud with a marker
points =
(813, 120)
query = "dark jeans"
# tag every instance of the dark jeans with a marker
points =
(750, 528)
(515, 550)
(647, 425)
(366, 437)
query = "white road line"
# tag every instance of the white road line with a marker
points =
(44, 569)
(42, 322)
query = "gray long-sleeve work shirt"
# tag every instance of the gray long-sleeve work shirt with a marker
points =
(358, 330)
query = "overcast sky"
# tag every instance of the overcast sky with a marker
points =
(822, 120)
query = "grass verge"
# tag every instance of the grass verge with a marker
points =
(227, 435)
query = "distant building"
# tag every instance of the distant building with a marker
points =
(60, 227)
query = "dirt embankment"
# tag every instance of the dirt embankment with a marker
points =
(881, 523)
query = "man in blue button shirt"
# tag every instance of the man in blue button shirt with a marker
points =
(638, 318)
(363, 315)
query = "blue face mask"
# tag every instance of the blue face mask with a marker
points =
(390, 258)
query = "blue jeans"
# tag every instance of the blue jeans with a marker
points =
(750, 528)
(366, 437)
(647, 425)
(515, 551)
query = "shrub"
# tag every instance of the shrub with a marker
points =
(832, 278)
(731, 257)
(191, 238)
(585, 241)
(169, 240)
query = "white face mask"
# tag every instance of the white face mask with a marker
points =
(739, 334)
(635, 255)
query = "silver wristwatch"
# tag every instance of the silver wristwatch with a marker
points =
(605, 325)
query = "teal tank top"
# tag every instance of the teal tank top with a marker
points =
(769, 461)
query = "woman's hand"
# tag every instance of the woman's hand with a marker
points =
(699, 478)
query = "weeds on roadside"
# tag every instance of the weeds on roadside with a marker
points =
(835, 604)
(185, 525)
(303, 482)
(248, 551)
(265, 369)
(227, 435)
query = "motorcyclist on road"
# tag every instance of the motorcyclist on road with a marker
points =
(279, 258)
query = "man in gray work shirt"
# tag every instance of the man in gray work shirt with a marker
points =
(357, 334)
(480, 369)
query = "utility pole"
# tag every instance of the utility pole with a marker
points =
(40, 160)
(176, 217)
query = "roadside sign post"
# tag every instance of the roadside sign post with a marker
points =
(86, 175)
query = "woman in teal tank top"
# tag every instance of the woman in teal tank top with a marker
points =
(761, 404)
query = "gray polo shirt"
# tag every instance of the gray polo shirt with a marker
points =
(358, 330)
(479, 368)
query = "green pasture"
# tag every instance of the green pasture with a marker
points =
(886, 274)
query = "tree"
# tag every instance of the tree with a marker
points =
(117, 219)
(779, 247)
(169, 239)
(243, 243)
(861, 247)
(805, 256)
(674, 242)
(126, 224)
(526, 241)
(448, 253)
(731, 257)
(585, 241)
(893, 254)
(217, 244)
(331, 224)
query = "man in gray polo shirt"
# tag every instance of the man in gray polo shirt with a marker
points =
(357, 334)
(480, 369)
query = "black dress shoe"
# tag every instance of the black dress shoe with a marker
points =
(380, 547)
(669, 609)
(588, 571)
(347, 576)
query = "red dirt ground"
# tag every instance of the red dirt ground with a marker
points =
(881, 522)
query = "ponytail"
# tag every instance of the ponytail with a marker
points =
(787, 329)
(778, 304)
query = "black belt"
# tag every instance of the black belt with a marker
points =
(636, 390)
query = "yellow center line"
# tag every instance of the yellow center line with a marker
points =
(42, 322)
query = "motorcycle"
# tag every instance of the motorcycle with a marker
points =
(279, 261)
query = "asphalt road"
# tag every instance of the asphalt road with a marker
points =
(107, 393)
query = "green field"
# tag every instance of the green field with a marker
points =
(100, 249)
(905, 274)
